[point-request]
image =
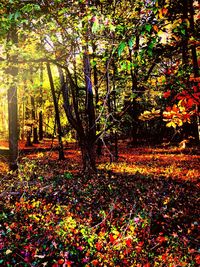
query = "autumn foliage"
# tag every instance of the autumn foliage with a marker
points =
(137, 212)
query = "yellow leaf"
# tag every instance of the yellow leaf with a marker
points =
(160, 14)
(8, 251)
(171, 124)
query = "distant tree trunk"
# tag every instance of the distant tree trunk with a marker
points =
(115, 111)
(110, 118)
(40, 103)
(89, 153)
(35, 134)
(33, 111)
(12, 107)
(95, 77)
(185, 36)
(13, 128)
(57, 114)
(134, 79)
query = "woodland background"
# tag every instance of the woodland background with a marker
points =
(99, 133)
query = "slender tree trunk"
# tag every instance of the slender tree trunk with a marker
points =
(35, 133)
(13, 128)
(185, 36)
(57, 114)
(134, 80)
(95, 77)
(115, 109)
(13, 108)
(40, 103)
(110, 119)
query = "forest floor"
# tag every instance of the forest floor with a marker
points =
(141, 211)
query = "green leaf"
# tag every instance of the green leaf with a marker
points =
(68, 175)
(17, 15)
(133, 95)
(130, 43)
(183, 31)
(148, 27)
(93, 63)
(95, 26)
(121, 47)
(150, 52)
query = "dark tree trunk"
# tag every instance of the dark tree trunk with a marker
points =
(110, 114)
(115, 110)
(95, 77)
(40, 103)
(88, 156)
(28, 137)
(13, 129)
(185, 36)
(40, 126)
(134, 109)
(35, 133)
(13, 108)
(57, 114)
(87, 145)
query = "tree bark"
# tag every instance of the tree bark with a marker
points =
(57, 114)
(35, 133)
(88, 156)
(40, 103)
(13, 128)
(13, 107)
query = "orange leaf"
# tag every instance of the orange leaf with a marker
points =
(164, 11)
(175, 108)
(155, 27)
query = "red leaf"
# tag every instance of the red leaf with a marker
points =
(129, 242)
(61, 261)
(112, 239)
(195, 88)
(166, 94)
(98, 246)
(95, 262)
(197, 259)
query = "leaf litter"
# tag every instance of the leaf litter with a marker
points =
(137, 212)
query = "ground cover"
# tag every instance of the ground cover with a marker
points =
(141, 211)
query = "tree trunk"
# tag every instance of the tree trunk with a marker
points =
(12, 107)
(13, 129)
(185, 36)
(57, 115)
(88, 156)
(35, 133)
(40, 103)
(96, 88)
